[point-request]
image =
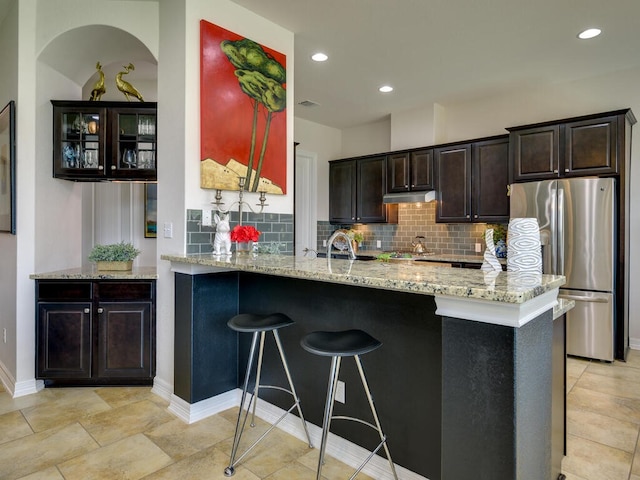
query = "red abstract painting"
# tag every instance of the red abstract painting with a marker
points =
(243, 124)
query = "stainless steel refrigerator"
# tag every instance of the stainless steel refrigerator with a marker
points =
(577, 233)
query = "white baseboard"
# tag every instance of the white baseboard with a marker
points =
(162, 388)
(634, 343)
(347, 452)
(192, 412)
(18, 389)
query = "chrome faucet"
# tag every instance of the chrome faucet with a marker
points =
(336, 234)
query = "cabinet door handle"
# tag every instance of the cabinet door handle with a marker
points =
(566, 170)
(475, 216)
(113, 167)
(100, 167)
(468, 216)
(555, 171)
(87, 310)
(100, 309)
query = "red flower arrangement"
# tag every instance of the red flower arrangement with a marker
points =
(244, 233)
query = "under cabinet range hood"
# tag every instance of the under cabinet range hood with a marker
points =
(409, 197)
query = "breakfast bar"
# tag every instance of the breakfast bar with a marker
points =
(463, 379)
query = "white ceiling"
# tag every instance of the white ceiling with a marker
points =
(444, 51)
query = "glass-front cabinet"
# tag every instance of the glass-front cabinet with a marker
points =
(95, 141)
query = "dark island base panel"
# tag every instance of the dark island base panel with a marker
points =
(451, 429)
(486, 433)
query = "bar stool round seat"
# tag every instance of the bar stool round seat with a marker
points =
(250, 322)
(346, 343)
(259, 326)
(341, 344)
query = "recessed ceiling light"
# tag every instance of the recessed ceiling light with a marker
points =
(319, 57)
(589, 33)
(386, 89)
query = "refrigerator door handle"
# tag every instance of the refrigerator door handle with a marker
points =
(582, 298)
(560, 230)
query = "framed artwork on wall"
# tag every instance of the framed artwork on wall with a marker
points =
(150, 210)
(8, 169)
(243, 120)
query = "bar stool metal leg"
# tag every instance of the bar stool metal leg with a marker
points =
(240, 424)
(328, 411)
(383, 437)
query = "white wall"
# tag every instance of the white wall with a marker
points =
(8, 242)
(326, 143)
(366, 139)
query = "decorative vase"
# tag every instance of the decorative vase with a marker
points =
(501, 249)
(244, 248)
(115, 266)
(523, 246)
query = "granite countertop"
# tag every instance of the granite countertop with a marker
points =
(414, 277)
(432, 257)
(563, 306)
(92, 273)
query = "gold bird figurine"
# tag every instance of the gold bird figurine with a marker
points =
(125, 87)
(99, 88)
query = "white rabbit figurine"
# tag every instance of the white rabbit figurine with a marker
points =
(223, 235)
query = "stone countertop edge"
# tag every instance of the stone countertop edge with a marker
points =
(410, 277)
(430, 257)
(92, 273)
(563, 306)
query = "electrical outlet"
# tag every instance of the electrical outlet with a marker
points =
(340, 392)
(478, 247)
(206, 218)
(378, 243)
(4, 335)
(324, 243)
(168, 230)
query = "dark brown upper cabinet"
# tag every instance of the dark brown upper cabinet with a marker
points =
(356, 188)
(575, 147)
(98, 141)
(472, 180)
(410, 171)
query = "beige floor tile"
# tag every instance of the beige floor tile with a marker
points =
(332, 468)
(119, 396)
(43, 450)
(571, 476)
(294, 470)
(634, 477)
(594, 461)
(617, 407)
(13, 426)
(602, 429)
(131, 458)
(64, 407)
(616, 370)
(118, 423)
(575, 368)
(49, 474)
(612, 386)
(635, 465)
(208, 464)
(180, 440)
(273, 453)
(9, 404)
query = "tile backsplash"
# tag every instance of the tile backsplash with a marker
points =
(275, 228)
(414, 220)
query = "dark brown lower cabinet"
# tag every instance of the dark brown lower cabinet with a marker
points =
(95, 332)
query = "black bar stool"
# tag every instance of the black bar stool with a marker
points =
(348, 343)
(259, 325)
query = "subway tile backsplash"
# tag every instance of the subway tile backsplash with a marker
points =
(414, 220)
(275, 228)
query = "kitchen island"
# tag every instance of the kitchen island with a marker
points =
(462, 382)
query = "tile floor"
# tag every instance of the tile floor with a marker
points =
(127, 433)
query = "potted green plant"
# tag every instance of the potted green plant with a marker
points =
(115, 256)
(356, 237)
(499, 239)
